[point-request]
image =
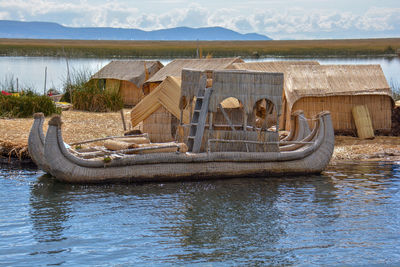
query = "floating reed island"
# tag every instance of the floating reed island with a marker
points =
(80, 126)
(154, 91)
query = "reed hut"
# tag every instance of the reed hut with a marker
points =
(174, 69)
(160, 111)
(127, 77)
(338, 88)
(272, 66)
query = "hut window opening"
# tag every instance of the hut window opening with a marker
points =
(229, 115)
(264, 115)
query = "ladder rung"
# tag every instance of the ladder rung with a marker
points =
(191, 137)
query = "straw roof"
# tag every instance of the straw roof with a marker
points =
(167, 94)
(174, 68)
(271, 66)
(129, 70)
(334, 80)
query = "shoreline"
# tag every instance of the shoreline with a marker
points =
(80, 125)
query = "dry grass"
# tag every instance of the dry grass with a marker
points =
(79, 126)
(379, 148)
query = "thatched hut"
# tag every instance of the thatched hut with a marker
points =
(338, 88)
(272, 66)
(127, 77)
(174, 69)
(159, 111)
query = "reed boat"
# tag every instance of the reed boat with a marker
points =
(213, 153)
(36, 141)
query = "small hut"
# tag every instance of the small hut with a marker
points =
(127, 77)
(338, 88)
(160, 111)
(272, 66)
(174, 69)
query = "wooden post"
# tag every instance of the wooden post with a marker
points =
(17, 86)
(210, 129)
(123, 119)
(68, 77)
(226, 117)
(244, 120)
(45, 80)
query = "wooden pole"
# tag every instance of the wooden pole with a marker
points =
(123, 119)
(45, 80)
(68, 77)
(226, 117)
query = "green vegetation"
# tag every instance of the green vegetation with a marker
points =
(395, 90)
(184, 49)
(25, 105)
(18, 101)
(91, 98)
(88, 96)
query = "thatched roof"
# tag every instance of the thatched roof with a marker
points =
(129, 70)
(334, 80)
(271, 66)
(174, 68)
(167, 94)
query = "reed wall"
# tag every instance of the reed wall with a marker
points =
(379, 106)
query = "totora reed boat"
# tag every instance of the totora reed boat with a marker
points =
(214, 150)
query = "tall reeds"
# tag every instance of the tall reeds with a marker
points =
(395, 89)
(87, 95)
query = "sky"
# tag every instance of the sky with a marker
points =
(278, 19)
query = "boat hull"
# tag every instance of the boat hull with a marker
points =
(312, 157)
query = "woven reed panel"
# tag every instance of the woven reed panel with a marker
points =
(363, 122)
(247, 87)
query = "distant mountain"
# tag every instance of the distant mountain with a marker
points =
(49, 30)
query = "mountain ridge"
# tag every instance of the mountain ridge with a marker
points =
(52, 30)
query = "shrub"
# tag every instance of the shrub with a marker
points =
(26, 105)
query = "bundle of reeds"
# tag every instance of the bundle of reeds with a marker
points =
(363, 122)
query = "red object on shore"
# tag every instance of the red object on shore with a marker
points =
(5, 93)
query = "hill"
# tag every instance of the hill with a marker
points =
(50, 30)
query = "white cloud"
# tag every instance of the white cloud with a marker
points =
(291, 22)
(4, 15)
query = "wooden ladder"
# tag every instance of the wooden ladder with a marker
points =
(198, 121)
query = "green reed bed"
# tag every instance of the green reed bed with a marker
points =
(87, 95)
(182, 49)
(92, 98)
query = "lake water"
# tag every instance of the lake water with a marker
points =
(349, 215)
(30, 71)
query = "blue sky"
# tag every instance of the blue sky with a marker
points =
(279, 19)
